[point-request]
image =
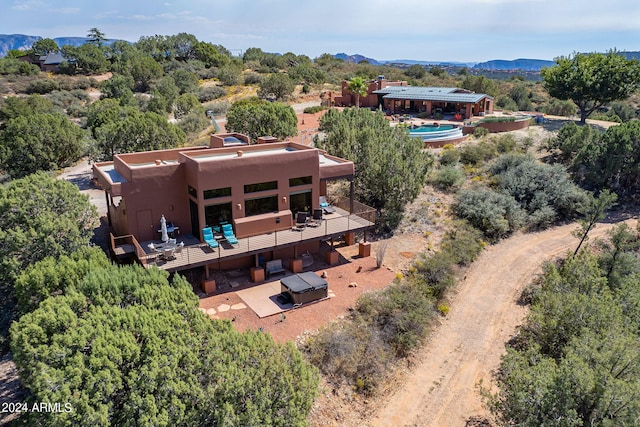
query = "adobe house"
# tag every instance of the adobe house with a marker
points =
(398, 97)
(258, 189)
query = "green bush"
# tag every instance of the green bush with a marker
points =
(209, 93)
(479, 132)
(449, 156)
(42, 86)
(252, 79)
(314, 109)
(401, 312)
(194, 123)
(463, 242)
(505, 143)
(477, 153)
(496, 214)
(447, 177)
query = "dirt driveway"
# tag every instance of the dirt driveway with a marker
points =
(466, 348)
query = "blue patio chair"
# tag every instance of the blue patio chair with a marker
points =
(227, 232)
(324, 204)
(207, 235)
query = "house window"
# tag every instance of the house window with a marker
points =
(260, 205)
(300, 202)
(215, 214)
(261, 186)
(217, 192)
(192, 192)
(303, 180)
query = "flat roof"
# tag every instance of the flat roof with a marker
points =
(112, 173)
(248, 153)
(324, 160)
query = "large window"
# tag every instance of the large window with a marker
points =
(300, 202)
(217, 192)
(303, 180)
(261, 205)
(215, 214)
(261, 186)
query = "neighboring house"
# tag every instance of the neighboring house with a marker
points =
(398, 97)
(51, 62)
(258, 189)
(47, 63)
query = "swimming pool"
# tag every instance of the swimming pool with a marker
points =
(436, 133)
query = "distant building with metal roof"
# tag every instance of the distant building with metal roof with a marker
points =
(398, 97)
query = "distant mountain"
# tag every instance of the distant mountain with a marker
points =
(435, 63)
(16, 41)
(517, 64)
(24, 42)
(356, 58)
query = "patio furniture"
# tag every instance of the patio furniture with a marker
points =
(316, 219)
(179, 249)
(324, 204)
(227, 232)
(301, 220)
(273, 267)
(168, 252)
(207, 236)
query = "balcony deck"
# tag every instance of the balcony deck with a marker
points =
(197, 254)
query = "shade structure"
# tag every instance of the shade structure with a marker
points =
(163, 229)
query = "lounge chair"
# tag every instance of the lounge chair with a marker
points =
(325, 205)
(207, 236)
(227, 232)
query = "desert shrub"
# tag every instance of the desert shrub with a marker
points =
(463, 242)
(447, 177)
(194, 123)
(544, 191)
(449, 156)
(252, 79)
(42, 86)
(209, 93)
(434, 274)
(480, 132)
(217, 107)
(560, 108)
(506, 103)
(496, 214)
(350, 350)
(314, 109)
(64, 99)
(477, 153)
(81, 82)
(505, 143)
(422, 115)
(401, 312)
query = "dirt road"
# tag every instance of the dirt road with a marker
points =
(466, 348)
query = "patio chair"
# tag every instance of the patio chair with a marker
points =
(317, 218)
(301, 220)
(207, 236)
(179, 249)
(227, 232)
(325, 205)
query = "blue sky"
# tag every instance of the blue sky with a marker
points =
(444, 30)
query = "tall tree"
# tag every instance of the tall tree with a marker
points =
(39, 216)
(593, 209)
(255, 117)
(277, 85)
(125, 346)
(591, 80)
(96, 37)
(44, 47)
(390, 165)
(136, 132)
(39, 142)
(358, 87)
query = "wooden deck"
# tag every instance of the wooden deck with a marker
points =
(197, 254)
